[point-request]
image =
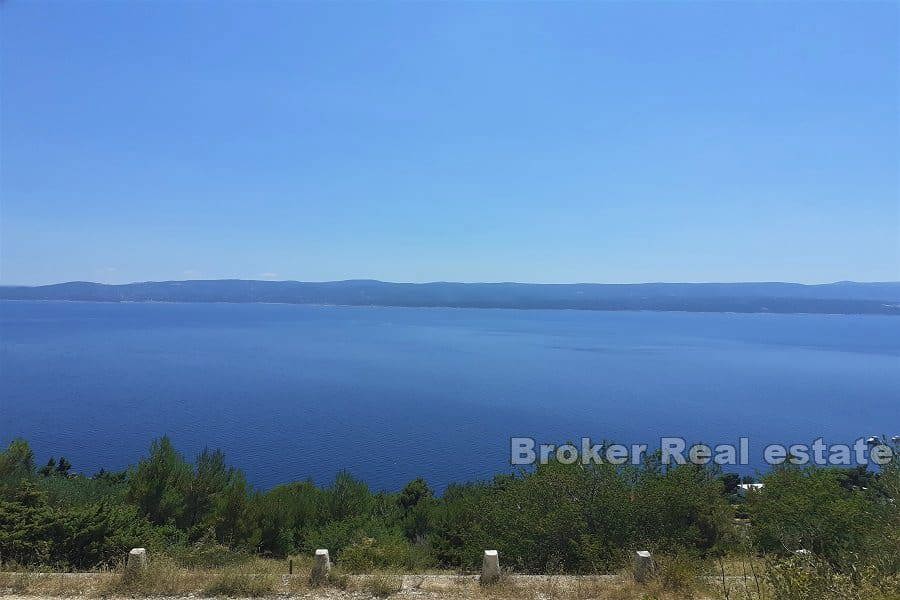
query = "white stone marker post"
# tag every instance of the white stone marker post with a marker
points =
(490, 567)
(137, 562)
(644, 567)
(321, 566)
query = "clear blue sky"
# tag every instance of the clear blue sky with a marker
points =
(547, 142)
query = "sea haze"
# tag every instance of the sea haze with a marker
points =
(293, 392)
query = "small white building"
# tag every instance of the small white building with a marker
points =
(743, 488)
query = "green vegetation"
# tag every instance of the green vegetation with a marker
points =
(555, 519)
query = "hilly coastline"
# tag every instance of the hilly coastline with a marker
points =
(833, 298)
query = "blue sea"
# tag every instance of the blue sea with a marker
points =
(294, 392)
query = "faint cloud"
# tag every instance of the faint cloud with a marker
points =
(268, 275)
(190, 272)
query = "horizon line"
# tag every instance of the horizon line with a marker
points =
(435, 282)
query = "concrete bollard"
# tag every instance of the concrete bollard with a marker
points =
(137, 562)
(321, 566)
(644, 567)
(490, 567)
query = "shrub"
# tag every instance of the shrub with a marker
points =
(801, 578)
(810, 509)
(162, 577)
(553, 519)
(680, 509)
(206, 555)
(388, 551)
(679, 573)
(338, 535)
(34, 532)
(16, 463)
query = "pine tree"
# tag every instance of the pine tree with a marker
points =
(63, 467)
(48, 469)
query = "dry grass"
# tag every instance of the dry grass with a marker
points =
(258, 577)
(16, 583)
(241, 585)
(338, 579)
(619, 587)
(54, 584)
(253, 578)
(162, 577)
(382, 585)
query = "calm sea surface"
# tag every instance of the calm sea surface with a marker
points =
(293, 392)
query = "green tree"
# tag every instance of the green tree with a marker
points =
(205, 490)
(811, 509)
(26, 525)
(232, 525)
(414, 492)
(457, 530)
(272, 533)
(16, 462)
(159, 483)
(537, 519)
(48, 469)
(416, 502)
(63, 466)
(348, 497)
(730, 483)
(34, 532)
(682, 508)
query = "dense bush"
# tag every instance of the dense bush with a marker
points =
(573, 518)
(821, 510)
(809, 509)
(33, 531)
(555, 518)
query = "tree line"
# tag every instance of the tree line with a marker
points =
(552, 519)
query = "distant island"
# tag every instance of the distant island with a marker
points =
(844, 297)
